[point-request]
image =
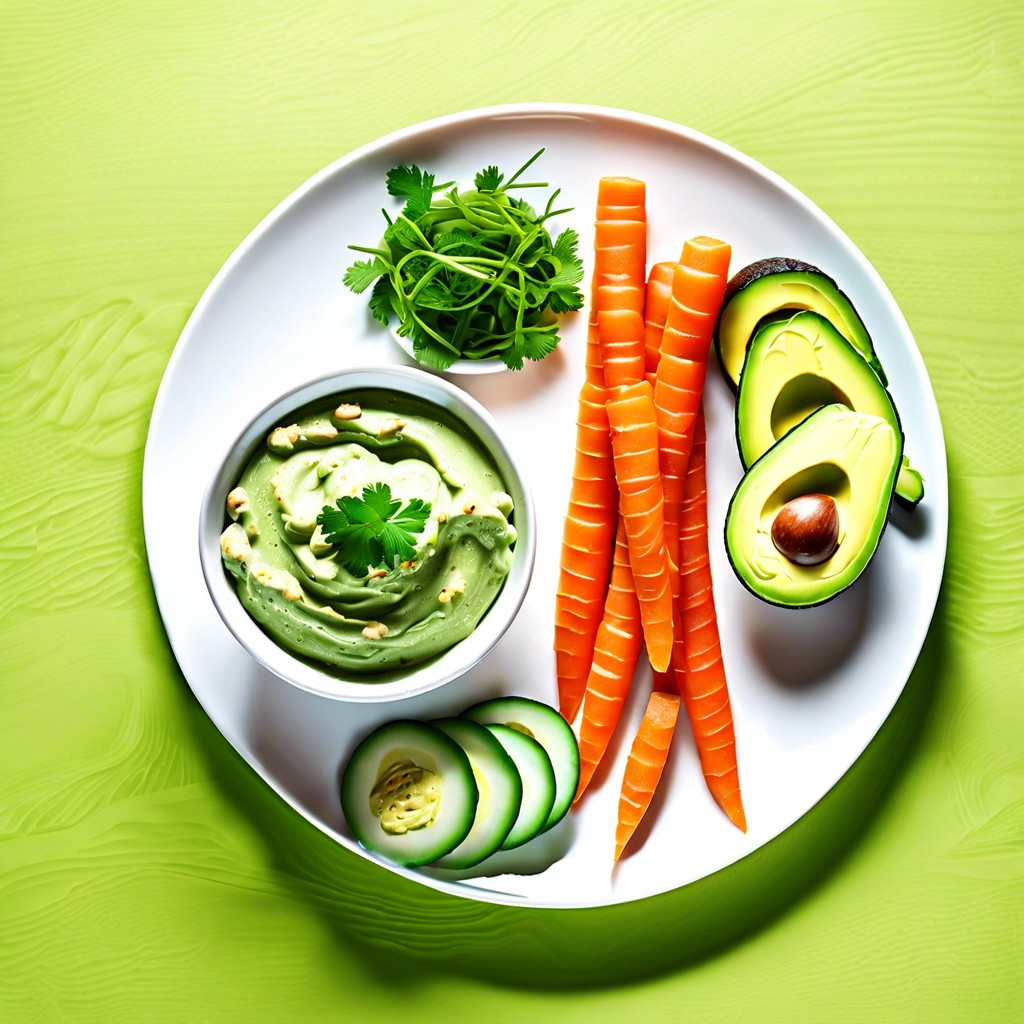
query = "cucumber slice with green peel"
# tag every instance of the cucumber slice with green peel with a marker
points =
(500, 787)
(550, 729)
(538, 777)
(408, 793)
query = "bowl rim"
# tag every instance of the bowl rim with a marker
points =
(422, 677)
(463, 367)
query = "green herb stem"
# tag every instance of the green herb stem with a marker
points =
(471, 274)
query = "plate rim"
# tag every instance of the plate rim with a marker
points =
(523, 111)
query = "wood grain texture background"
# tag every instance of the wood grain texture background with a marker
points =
(145, 873)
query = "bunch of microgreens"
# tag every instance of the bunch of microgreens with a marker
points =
(472, 274)
(374, 530)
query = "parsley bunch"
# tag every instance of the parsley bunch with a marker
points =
(471, 274)
(373, 530)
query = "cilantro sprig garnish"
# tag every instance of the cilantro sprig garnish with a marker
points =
(471, 274)
(373, 530)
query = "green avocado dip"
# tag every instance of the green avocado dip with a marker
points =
(294, 581)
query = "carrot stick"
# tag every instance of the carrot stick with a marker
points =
(697, 656)
(631, 417)
(620, 252)
(587, 543)
(620, 255)
(619, 199)
(698, 287)
(621, 333)
(619, 295)
(645, 764)
(656, 305)
(616, 651)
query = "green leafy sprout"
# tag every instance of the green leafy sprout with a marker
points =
(373, 530)
(471, 274)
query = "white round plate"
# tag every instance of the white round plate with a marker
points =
(809, 689)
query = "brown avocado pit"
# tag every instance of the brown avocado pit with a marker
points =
(850, 457)
(806, 529)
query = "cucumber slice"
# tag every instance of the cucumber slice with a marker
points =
(408, 793)
(538, 784)
(501, 792)
(550, 730)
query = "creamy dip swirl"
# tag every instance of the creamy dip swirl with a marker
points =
(293, 581)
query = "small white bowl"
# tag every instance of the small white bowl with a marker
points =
(467, 367)
(413, 679)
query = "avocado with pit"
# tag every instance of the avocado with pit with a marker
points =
(838, 453)
(763, 289)
(797, 365)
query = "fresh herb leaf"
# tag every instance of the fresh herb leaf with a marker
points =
(471, 274)
(525, 209)
(457, 243)
(564, 251)
(436, 294)
(397, 535)
(363, 273)
(373, 530)
(565, 299)
(401, 238)
(532, 344)
(565, 296)
(429, 351)
(414, 186)
(488, 179)
(381, 305)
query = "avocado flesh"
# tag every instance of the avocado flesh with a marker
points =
(797, 365)
(909, 486)
(768, 286)
(852, 456)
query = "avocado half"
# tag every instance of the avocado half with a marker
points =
(853, 457)
(795, 366)
(769, 286)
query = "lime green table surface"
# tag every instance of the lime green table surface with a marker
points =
(146, 874)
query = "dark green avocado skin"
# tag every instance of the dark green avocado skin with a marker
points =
(772, 265)
(765, 268)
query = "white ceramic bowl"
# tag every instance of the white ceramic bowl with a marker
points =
(467, 367)
(414, 679)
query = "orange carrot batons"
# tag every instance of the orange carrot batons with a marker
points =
(620, 255)
(701, 288)
(620, 250)
(711, 255)
(587, 544)
(616, 651)
(702, 682)
(616, 193)
(635, 452)
(645, 764)
(620, 198)
(656, 305)
(621, 333)
(698, 287)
